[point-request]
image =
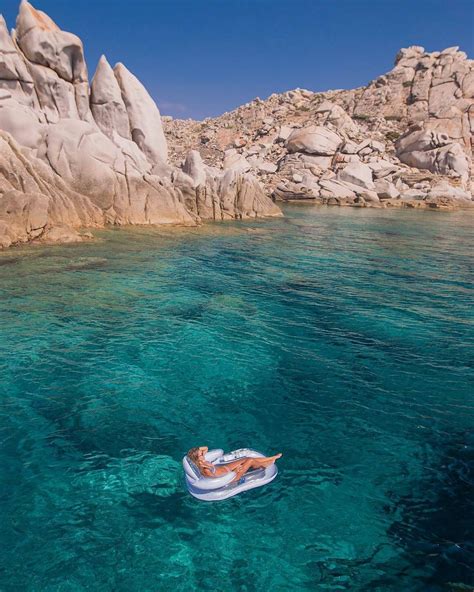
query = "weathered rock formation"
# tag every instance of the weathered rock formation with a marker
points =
(74, 155)
(405, 140)
(434, 151)
(34, 199)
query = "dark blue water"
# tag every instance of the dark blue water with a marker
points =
(341, 337)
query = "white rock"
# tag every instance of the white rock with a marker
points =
(284, 133)
(416, 194)
(195, 168)
(380, 164)
(377, 146)
(383, 168)
(236, 162)
(349, 147)
(386, 189)
(417, 139)
(434, 151)
(369, 145)
(445, 190)
(57, 64)
(44, 43)
(86, 159)
(14, 74)
(314, 140)
(267, 167)
(357, 173)
(72, 170)
(369, 196)
(22, 123)
(107, 106)
(334, 188)
(335, 115)
(143, 114)
(243, 196)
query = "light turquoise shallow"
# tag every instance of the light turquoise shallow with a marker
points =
(341, 337)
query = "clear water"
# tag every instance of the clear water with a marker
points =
(341, 337)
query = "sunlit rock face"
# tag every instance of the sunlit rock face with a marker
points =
(34, 199)
(107, 103)
(75, 155)
(145, 120)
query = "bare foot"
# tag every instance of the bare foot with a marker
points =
(266, 462)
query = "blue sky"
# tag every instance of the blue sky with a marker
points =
(200, 58)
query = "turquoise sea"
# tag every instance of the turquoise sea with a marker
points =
(341, 337)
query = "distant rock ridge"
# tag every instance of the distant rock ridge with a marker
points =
(76, 155)
(404, 140)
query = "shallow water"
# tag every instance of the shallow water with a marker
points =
(341, 337)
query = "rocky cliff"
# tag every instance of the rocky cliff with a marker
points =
(405, 140)
(74, 154)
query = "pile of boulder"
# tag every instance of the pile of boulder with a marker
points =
(405, 140)
(326, 166)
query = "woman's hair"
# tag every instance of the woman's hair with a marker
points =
(193, 454)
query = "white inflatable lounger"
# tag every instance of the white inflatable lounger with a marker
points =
(213, 489)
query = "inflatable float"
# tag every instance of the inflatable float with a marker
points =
(213, 489)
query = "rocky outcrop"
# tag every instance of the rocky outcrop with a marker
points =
(145, 120)
(211, 195)
(34, 199)
(55, 60)
(74, 155)
(435, 87)
(435, 151)
(108, 108)
(358, 174)
(330, 113)
(395, 140)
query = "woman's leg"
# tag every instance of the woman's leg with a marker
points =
(233, 465)
(254, 463)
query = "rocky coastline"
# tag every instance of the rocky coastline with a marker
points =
(76, 154)
(405, 140)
